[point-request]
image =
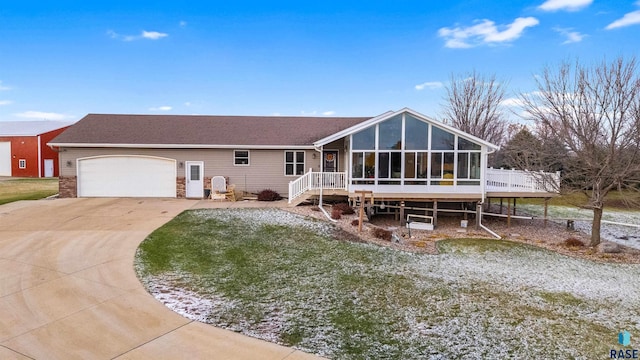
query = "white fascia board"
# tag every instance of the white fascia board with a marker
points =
(181, 146)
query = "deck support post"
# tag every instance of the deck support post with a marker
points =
(514, 206)
(435, 213)
(362, 194)
(402, 219)
(478, 215)
(500, 205)
(546, 208)
(508, 214)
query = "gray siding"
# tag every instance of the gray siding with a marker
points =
(265, 169)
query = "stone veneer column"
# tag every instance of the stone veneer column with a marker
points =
(67, 186)
(181, 190)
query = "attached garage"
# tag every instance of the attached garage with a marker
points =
(126, 176)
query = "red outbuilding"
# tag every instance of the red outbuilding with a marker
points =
(24, 151)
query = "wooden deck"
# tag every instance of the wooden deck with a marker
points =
(499, 183)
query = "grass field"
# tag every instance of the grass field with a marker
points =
(27, 189)
(295, 281)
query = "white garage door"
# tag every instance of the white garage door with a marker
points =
(5, 159)
(126, 176)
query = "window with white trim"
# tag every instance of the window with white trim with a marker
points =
(293, 163)
(241, 157)
(22, 164)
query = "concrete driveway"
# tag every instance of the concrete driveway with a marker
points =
(68, 289)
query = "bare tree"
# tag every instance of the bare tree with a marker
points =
(594, 112)
(472, 104)
(528, 151)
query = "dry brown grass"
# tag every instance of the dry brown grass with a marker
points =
(27, 189)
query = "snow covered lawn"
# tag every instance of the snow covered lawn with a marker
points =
(623, 235)
(284, 278)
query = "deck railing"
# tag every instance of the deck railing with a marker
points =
(316, 180)
(522, 181)
(497, 180)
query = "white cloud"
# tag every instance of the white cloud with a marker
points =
(485, 32)
(429, 85)
(40, 115)
(329, 113)
(511, 102)
(5, 102)
(183, 23)
(4, 88)
(151, 35)
(572, 36)
(632, 18)
(568, 5)
(161, 108)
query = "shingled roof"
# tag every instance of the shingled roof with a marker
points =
(184, 130)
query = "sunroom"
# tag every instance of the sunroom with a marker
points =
(406, 155)
(410, 155)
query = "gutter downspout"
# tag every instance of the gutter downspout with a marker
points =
(484, 193)
(486, 228)
(321, 187)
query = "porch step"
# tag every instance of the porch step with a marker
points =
(300, 199)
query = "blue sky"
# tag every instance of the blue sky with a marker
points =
(60, 60)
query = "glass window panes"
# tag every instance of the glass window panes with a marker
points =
(383, 165)
(422, 162)
(463, 165)
(410, 165)
(416, 134)
(194, 171)
(365, 139)
(448, 165)
(241, 157)
(390, 134)
(357, 165)
(436, 165)
(441, 140)
(474, 166)
(294, 162)
(370, 164)
(464, 144)
(396, 165)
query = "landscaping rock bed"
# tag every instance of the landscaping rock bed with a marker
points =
(551, 236)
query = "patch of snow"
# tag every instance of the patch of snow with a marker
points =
(255, 218)
(623, 235)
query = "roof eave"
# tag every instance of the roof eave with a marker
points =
(178, 146)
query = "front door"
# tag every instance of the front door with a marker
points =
(195, 181)
(48, 167)
(330, 161)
